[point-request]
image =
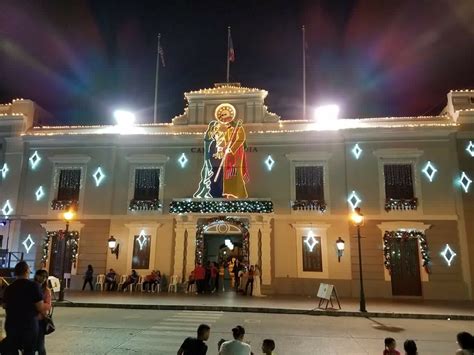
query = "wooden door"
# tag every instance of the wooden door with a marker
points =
(405, 267)
(55, 258)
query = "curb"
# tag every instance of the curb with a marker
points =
(310, 312)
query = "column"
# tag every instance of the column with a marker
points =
(266, 253)
(253, 242)
(190, 249)
(178, 267)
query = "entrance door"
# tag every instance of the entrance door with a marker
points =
(405, 266)
(55, 259)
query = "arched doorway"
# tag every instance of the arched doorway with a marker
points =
(220, 239)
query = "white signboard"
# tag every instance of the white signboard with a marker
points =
(325, 291)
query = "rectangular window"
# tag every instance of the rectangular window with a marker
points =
(309, 183)
(312, 258)
(69, 184)
(141, 251)
(398, 181)
(147, 184)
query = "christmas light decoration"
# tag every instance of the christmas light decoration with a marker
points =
(405, 235)
(309, 205)
(4, 170)
(221, 206)
(430, 171)
(354, 200)
(310, 241)
(98, 176)
(269, 162)
(34, 160)
(183, 160)
(401, 204)
(7, 208)
(357, 151)
(28, 243)
(72, 244)
(39, 193)
(228, 243)
(142, 239)
(465, 182)
(470, 148)
(448, 254)
(63, 205)
(144, 205)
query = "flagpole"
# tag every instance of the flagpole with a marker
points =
(304, 72)
(228, 52)
(155, 106)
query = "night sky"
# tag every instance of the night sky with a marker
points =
(82, 59)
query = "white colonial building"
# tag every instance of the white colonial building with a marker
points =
(295, 182)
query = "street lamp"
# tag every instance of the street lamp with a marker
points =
(68, 216)
(358, 220)
(114, 246)
(340, 245)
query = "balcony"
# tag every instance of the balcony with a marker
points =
(399, 204)
(309, 205)
(58, 205)
(221, 205)
(144, 205)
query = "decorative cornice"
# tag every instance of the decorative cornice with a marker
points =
(70, 159)
(147, 158)
(309, 156)
(392, 153)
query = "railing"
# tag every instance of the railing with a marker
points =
(8, 259)
(309, 205)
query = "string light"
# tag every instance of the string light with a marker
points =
(221, 206)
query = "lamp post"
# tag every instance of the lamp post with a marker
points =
(358, 220)
(68, 216)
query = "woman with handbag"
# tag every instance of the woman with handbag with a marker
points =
(41, 277)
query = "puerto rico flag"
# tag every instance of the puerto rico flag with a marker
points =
(231, 50)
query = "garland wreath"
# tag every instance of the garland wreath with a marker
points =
(72, 243)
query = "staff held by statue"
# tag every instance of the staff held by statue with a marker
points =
(227, 150)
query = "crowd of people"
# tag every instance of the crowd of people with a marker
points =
(465, 341)
(227, 276)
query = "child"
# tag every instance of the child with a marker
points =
(390, 346)
(268, 346)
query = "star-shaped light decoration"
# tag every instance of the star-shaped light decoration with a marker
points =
(7, 208)
(142, 239)
(310, 241)
(269, 162)
(4, 170)
(357, 151)
(470, 148)
(465, 182)
(448, 254)
(430, 171)
(183, 160)
(39, 193)
(98, 176)
(354, 200)
(28, 243)
(34, 159)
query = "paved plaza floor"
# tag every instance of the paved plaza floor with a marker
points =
(230, 301)
(134, 331)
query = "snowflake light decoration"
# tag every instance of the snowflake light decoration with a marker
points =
(39, 193)
(354, 200)
(34, 159)
(28, 243)
(310, 241)
(269, 162)
(465, 181)
(448, 254)
(430, 171)
(4, 170)
(183, 160)
(357, 151)
(98, 176)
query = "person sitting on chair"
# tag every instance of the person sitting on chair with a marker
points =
(131, 280)
(150, 281)
(110, 280)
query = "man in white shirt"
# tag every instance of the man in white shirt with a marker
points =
(236, 346)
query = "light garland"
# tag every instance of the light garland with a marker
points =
(144, 205)
(448, 254)
(221, 206)
(63, 205)
(401, 204)
(72, 243)
(430, 171)
(405, 235)
(311, 205)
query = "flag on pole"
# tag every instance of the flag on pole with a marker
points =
(231, 49)
(161, 52)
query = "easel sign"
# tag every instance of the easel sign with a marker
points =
(327, 293)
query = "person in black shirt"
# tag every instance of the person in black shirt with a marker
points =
(23, 302)
(88, 277)
(196, 346)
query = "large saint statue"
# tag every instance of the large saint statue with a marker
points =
(224, 172)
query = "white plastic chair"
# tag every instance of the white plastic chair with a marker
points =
(173, 285)
(156, 288)
(123, 279)
(139, 284)
(100, 282)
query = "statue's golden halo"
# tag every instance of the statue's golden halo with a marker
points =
(225, 113)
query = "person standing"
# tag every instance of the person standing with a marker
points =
(200, 276)
(410, 347)
(257, 288)
(227, 278)
(88, 277)
(236, 346)
(236, 269)
(41, 277)
(250, 276)
(466, 342)
(23, 302)
(213, 282)
(196, 346)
